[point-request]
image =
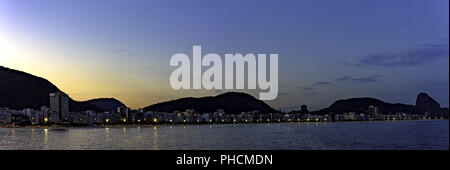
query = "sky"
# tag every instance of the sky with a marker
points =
(328, 50)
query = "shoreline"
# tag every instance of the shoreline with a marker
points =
(190, 124)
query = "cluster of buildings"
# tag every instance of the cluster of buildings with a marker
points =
(58, 113)
(372, 113)
(353, 116)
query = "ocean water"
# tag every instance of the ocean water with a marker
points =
(377, 135)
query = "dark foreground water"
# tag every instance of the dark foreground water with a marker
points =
(430, 134)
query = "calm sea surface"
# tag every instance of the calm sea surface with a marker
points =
(429, 134)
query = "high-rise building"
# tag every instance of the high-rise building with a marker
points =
(59, 104)
(5, 116)
(124, 113)
(303, 109)
(373, 111)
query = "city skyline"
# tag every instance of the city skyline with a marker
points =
(122, 50)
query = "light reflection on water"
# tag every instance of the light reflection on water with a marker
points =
(155, 138)
(334, 135)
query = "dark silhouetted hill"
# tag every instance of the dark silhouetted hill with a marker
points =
(106, 104)
(424, 103)
(362, 104)
(231, 102)
(20, 90)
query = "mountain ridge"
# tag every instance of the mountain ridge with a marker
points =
(230, 102)
(20, 90)
(362, 104)
(106, 104)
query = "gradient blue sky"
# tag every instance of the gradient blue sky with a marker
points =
(328, 50)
